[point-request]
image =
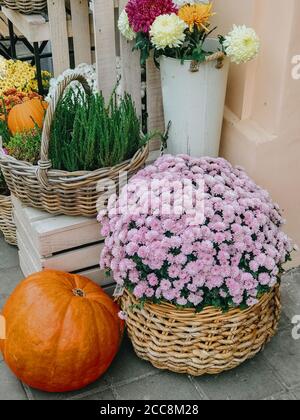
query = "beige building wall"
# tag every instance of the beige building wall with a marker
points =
(262, 118)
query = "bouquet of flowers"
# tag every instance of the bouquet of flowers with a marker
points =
(228, 259)
(179, 28)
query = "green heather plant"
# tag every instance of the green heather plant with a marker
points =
(4, 132)
(87, 134)
(26, 145)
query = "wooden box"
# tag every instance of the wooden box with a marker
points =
(71, 244)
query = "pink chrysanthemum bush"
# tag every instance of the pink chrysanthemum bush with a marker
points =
(228, 258)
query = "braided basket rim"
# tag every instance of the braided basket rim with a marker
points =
(172, 311)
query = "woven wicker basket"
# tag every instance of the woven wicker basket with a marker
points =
(7, 225)
(61, 192)
(26, 6)
(209, 342)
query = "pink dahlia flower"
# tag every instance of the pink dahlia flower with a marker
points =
(142, 13)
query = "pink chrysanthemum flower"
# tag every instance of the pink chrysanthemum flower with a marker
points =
(230, 257)
(142, 13)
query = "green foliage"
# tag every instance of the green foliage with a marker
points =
(4, 132)
(193, 47)
(143, 44)
(87, 135)
(26, 145)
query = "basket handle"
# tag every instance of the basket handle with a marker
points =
(44, 163)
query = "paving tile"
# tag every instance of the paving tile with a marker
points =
(284, 322)
(99, 396)
(127, 366)
(296, 393)
(284, 396)
(8, 256)
(10, 387)
(100, 384)
(3, 299)
(291, 293)
(283, 353)
(9, 279)
(251, 381)
(163, 386)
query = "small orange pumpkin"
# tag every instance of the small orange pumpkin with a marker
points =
(62, 331)
(24, 116)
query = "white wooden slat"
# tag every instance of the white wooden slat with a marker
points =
(88, 256)
(4, 26)
(27, 265)
(30, 214)
(33, 27)
(59, 36)
(81, 31)
(46, 245)
(105, 45)
(154, 102)
(68, 237)
(51, 234)
(25, 232)
(28, 268)
(130, 68)
(70, 261)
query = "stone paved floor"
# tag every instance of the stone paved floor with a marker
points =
(273, 374)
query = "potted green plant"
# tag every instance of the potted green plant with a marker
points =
(84, 142)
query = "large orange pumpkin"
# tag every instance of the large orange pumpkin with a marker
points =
(62, 331)
(25, 116)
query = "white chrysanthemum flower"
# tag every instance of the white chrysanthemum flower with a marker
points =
(167, 31)
(242, 44)
(125, 28)
(87, 70)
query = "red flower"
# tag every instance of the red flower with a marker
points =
(142, 13)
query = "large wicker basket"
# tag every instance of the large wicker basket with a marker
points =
(209, 342)
(7, 225)
(25, 6)
(61, 192)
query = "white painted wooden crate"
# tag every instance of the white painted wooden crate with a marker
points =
(71, 244)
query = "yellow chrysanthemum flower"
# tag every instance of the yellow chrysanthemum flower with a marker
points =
(19, 75)
(196, 15)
